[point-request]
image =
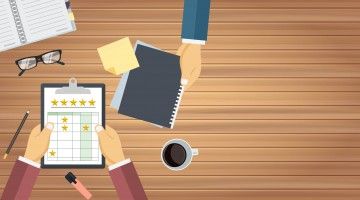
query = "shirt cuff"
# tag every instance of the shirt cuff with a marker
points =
(119, 164)
(29, 162)
(191, 41)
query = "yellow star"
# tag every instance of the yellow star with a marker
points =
(82, 102)
(64, 128)
(73, 102)
(64, 119)
(63, 102)
(85, 128)
(54, 102)
(52, 153)
(92, 102)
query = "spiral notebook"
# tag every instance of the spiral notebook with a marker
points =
(152, 92)
(26, 21)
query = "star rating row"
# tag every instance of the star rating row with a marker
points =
(73, 102)
(85, 128)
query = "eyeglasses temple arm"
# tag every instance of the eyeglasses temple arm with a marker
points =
(22, 72)
(60, 62)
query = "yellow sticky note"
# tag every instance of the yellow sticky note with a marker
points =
(118, 57)
(71, 16)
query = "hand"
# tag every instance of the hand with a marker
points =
(110, 144)
(190, 63)
(38, 142)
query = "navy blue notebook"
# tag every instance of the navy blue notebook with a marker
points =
(151, 92)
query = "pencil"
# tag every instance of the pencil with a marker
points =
(16, 134)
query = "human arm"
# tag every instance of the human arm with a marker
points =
(27, 168)
(122, 171)
(194, 35)
(195, 21)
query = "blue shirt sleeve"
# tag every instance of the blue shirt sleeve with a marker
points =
(196, 19)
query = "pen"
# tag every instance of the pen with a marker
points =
(16, 134)
(78, 185)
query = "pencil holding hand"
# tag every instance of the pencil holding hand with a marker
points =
(16, 134)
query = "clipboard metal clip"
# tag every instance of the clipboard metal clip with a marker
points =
(73, 88)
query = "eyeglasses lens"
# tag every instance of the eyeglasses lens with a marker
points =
(27, 63)
(51, 57)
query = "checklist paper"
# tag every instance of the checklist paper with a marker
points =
(73, 140)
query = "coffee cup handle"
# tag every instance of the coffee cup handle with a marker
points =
(195, 152)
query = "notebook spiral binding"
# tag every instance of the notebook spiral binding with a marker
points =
(18, 23)
(176, 106)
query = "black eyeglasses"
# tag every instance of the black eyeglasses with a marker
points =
(28, 63)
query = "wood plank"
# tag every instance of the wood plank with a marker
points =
(199, 98)
(207, 84)
(96, 70)
(271, 70)
(187, 112)
(224, 98)
(215, 42)
(240, 154)
(220, 112)
(219, 15)
(204, 140)
(218, 29)
(226, 84)
(181, 127)
(210, 182)
(216, 56)
(91, 56)
(151, 194)
(213, 194)
(140, 4)
(238, 70)
(219, 4)
(217, 169)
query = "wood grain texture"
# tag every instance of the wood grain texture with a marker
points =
(217, 169)
(223, 84)
(275, 113)
(218, 29)
(222, 112)
(219, 4)
(216, 56)
(218, 194)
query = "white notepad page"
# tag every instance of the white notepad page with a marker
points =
(73, 140)
(37, 19)
(8, 33)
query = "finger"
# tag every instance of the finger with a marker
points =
(102, 133)
(194, 76)
(181, 49)
(185, 71)
(103, 137)
(45, 134)
(35, 131)
(112, 132)
(47, 129)
(188, 61)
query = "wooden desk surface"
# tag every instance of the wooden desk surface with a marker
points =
(275, 114)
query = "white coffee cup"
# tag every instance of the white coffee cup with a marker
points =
(177, 154)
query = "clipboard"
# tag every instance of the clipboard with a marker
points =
(69, 107)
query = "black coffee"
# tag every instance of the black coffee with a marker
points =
(174, 155)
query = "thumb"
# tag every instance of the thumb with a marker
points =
(101, 132)
(194, 76)
(47, 129)
(185, 73)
